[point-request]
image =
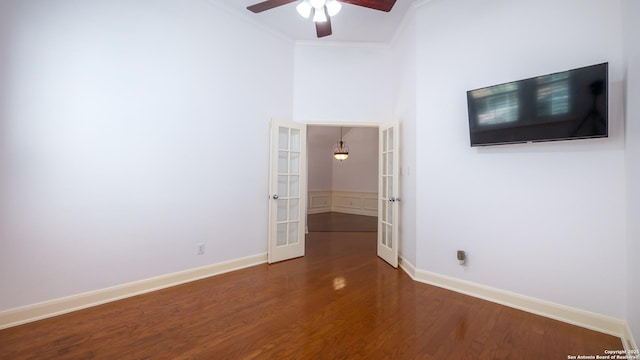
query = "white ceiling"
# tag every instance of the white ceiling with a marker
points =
(352, 24)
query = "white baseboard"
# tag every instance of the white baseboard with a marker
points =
(574, 316)
(408, 267)
(629, 342)
(22, 315)
(318, 210)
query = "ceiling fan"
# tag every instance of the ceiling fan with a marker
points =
(322, 10)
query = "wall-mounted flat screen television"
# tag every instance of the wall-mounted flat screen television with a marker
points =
(561, 106)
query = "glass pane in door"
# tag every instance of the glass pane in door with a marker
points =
(383, 234)
(293, 209)
(283, 138)
(283, 186)
(295, 163)
(283, 162)
(293, 232)
(389, 238)
(384, 211)
(281, 237)
(294, 186)
(282, 210)
(295, 140)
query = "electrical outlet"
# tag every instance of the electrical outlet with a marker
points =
(200, 248)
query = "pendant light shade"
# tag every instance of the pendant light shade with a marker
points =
(333, 7)
(304, 9)
(341, 150)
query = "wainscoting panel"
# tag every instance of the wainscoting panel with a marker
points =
(319, 202)
(349, 202)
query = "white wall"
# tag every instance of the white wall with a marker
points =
(320, 160)
(342, 84)
(118, 119)
(632, 49)
(360, 171)
(403, 52)
(545, 220)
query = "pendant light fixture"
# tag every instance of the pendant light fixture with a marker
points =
(341, 150)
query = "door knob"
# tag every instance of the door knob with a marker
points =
(275, 197)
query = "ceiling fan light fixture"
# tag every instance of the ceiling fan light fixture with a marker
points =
(319, 16)
(304, 9)
(333, 7)
(317, 4)
(322, 10)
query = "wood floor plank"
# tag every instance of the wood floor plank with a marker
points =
(338, 302)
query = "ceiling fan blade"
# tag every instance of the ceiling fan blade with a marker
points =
(324, 28)
(267, 5)
(382, 5)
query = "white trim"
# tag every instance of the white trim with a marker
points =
(341, 124)
(574, 316)
(628, 340)
(351, 44)
(408, 267)
(47, 309)
(582, 318)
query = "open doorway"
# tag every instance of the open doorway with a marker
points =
(342, 195)
(288, 185)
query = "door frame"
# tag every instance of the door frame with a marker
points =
(305, 163)
(334, 124)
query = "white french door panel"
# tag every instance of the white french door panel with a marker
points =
(287, 189)
(388, 192)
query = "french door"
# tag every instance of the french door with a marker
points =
(388, 188)
(287, 187)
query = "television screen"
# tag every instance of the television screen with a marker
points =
(566, 105)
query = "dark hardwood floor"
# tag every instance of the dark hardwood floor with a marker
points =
(338, 302)
(334, 221)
